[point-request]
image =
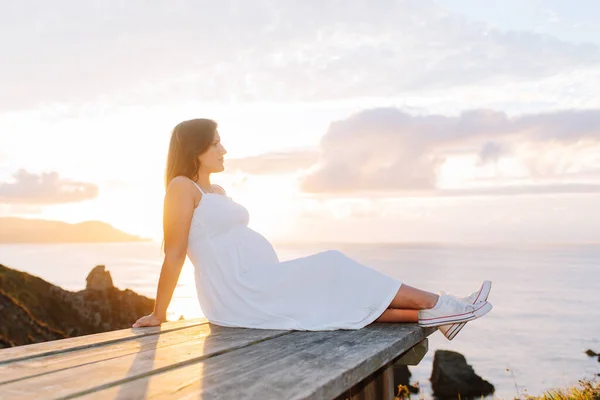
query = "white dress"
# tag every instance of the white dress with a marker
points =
(241, 282)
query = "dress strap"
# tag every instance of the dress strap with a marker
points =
(198, 186)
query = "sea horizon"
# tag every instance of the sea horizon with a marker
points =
(534, 345)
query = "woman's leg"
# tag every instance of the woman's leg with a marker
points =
(396, 315)
(415, 305)
(406, 305)
(412, 298)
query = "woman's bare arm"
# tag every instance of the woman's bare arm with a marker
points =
(177, 217)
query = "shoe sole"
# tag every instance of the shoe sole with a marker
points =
(484, 292)
(482, 309)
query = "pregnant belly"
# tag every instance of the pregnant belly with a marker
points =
(244, 249)
(255, 250)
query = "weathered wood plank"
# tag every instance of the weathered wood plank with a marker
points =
(378, 386)
(301, 365)
(20, 353)
(153, 358)
(415, 354)
(367, 390)
(37, 366)
(387, 383)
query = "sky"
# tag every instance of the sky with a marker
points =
(455, 121)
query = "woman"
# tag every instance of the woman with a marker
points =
(239, 278)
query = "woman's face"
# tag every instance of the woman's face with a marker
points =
(212, 159)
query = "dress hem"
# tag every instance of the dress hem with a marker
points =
(370, 319)
(385, 304)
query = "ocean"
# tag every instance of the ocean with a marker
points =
(546, 298)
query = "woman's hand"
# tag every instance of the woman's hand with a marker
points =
(148, 320)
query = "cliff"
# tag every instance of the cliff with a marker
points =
(33, 310)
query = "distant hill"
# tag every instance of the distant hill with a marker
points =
(24, 230)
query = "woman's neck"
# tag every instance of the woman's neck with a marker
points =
(203, 181)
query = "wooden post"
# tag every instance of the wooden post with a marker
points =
(415, 354)
(379, 385)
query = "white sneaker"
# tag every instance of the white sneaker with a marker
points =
(449, 311)
(451, 330)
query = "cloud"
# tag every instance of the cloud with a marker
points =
(45, 188)
(388, 149)
(565, 126)
(273, 163)
(491, 152)
(259, 50)
(564, 188)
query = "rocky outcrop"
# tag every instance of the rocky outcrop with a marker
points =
(99, 279)
(453, 378)
(20, 327)
(402, 377)
(591, 353)
(33, 310)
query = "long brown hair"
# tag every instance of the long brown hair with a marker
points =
(189, 139)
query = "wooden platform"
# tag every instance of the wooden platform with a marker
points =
(195, 359)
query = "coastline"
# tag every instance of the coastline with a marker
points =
(37, 311)
(524, 344)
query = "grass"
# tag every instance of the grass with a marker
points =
(586, 390)
(403, 393)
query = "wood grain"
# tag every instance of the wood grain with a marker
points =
(154, 357)
(301, 365)
(33, 367)
(14, 354)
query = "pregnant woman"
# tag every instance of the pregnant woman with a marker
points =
(240, 280)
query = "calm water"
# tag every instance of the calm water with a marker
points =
(546, 299)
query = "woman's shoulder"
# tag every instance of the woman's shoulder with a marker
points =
(183, 188)
(180, 181)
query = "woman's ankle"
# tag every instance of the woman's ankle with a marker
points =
(432, 301)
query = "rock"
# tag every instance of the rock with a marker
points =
(99, 279)
(19, 327)
(40, 311)
(402, 377)
(591, 353)
(453, 378)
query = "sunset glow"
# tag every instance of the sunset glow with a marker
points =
(396, 131)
